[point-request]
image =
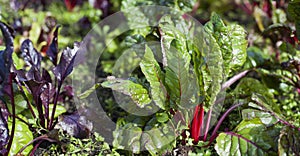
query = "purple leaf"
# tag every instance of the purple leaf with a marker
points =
(5, 56)
(31, 57)
(36, 88)
(46, 76)
(52, 51)
(8, 33)
(47, 94)
(5, 78)
(67, 93)
(75, 125)
(33, 74)
(65, 66)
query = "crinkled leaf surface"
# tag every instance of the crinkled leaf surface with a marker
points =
(137, 92)
(233, 144)
(250, 137)
(176, 59)
(152, 139)
(208, 65)
(132, 137)
(154, 76)
(232, 41)
(33, 59)
(156, 140)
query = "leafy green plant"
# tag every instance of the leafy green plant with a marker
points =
(169, 86)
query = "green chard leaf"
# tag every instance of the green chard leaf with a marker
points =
(154, 141)
(176, 59)
(250, 137)
(258, 92)
(232, 41)
(137, 92)
(154, 76)
(208, 65)
(229, 143)
(265, 117)
(132, 139)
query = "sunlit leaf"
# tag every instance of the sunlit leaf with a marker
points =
(250, 137)
(135, 91)
(176, 60)
(153, 74)
(232, 41)
(22, 136)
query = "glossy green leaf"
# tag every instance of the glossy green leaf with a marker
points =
(173, 40)
(265, 117)
(22, 136)
(20, 104)
(258, 101)
(176, 60)
(232, 41)
(154, 76)
(136, 16)
(127, 137)
(162, 117)
(86, 93)
(257, 132)
(232, 144)
(155, 140)
(19, 63)
(137, 92)
(58, 111)
(250, 137)
(208, 66)
(289, 141)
